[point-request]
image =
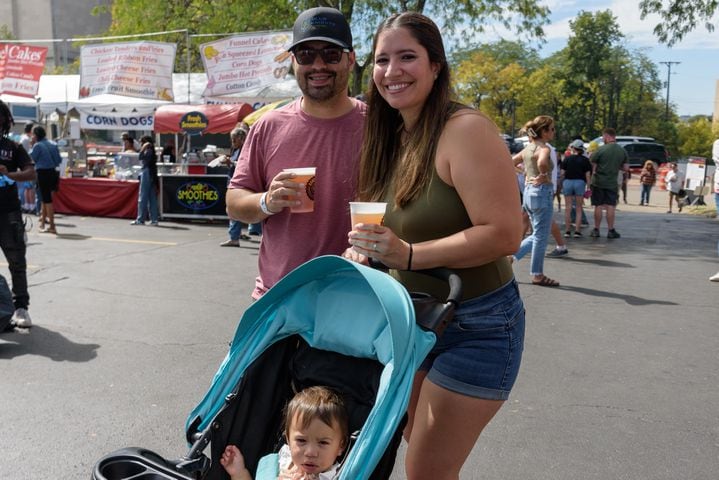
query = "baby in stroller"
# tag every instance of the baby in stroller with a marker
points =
(316, 431)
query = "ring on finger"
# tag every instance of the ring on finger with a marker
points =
(374, 247)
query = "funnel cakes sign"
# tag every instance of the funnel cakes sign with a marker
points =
(247, 61)
(20, 68)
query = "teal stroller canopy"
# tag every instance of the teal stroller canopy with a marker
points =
(341, 306)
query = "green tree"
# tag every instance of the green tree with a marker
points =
(590, 48)
(220, 17)
(504, 52)
(695, 137)
(544, 94)
(489, 86)
(459, 19)
(640, 102)
(679, 17)
(6, 33)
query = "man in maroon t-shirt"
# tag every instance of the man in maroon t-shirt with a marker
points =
(322, 129)
(15, 166)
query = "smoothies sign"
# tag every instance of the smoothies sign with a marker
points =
(194, 123)
(131, 69)
(188, 196)
(20, 68)
(197, 195)
(242, 62)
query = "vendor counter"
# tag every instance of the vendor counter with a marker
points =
(180, 196)
(193, 196)
(97, 197)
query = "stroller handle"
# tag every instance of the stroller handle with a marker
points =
(451, 278)
(430, 313)
(441, 273)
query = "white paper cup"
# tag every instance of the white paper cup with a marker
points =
(304, 175)
(367, 212)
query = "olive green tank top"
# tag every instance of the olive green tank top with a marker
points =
(530, 163)
(439, 212)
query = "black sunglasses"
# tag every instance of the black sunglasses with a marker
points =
(330, 55)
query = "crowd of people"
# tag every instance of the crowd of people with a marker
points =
(449, 183)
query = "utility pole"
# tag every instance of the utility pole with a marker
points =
(669, 74)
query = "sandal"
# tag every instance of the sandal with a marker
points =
(546, 282)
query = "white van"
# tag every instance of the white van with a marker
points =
(623, 139)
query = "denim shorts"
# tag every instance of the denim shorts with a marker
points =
(479, 353)
(574, 188)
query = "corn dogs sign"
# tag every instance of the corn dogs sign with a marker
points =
(242, 62)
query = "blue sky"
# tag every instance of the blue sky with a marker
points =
(693, 81)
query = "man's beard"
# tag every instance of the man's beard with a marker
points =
(336, 86)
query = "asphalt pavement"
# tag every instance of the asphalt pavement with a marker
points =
(618, 381)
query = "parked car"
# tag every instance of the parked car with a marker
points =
(640, 149)
(512, 145)
(640, 152)
(626, 139)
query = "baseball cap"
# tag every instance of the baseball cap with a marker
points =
(578, 144)
(322, 23)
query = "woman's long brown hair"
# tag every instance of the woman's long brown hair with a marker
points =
(385, 162)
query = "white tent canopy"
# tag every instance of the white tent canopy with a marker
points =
(60, 93)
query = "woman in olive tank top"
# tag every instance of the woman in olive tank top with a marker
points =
(538, 193)
(452, 201)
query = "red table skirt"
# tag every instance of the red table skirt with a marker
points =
(97, 197)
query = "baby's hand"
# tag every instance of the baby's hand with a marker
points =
(351, 254)
(234, 463)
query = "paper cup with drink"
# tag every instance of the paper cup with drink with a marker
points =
(367, 212)
(305, 175)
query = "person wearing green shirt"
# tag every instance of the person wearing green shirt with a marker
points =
(607, 162)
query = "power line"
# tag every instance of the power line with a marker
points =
(669, 73)
(93, 39)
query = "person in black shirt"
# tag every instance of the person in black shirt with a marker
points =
(15, 166)
(577, 172)
(149, 184)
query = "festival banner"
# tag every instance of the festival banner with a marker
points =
(130, 69)
(116, 121)
(21, 67)
(246, 61)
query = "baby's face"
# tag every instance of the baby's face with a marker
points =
(314, 449)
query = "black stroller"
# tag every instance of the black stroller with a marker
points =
(329, 322)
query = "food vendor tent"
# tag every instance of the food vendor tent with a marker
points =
(60, 93)
(218, 118)
(254, 116)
